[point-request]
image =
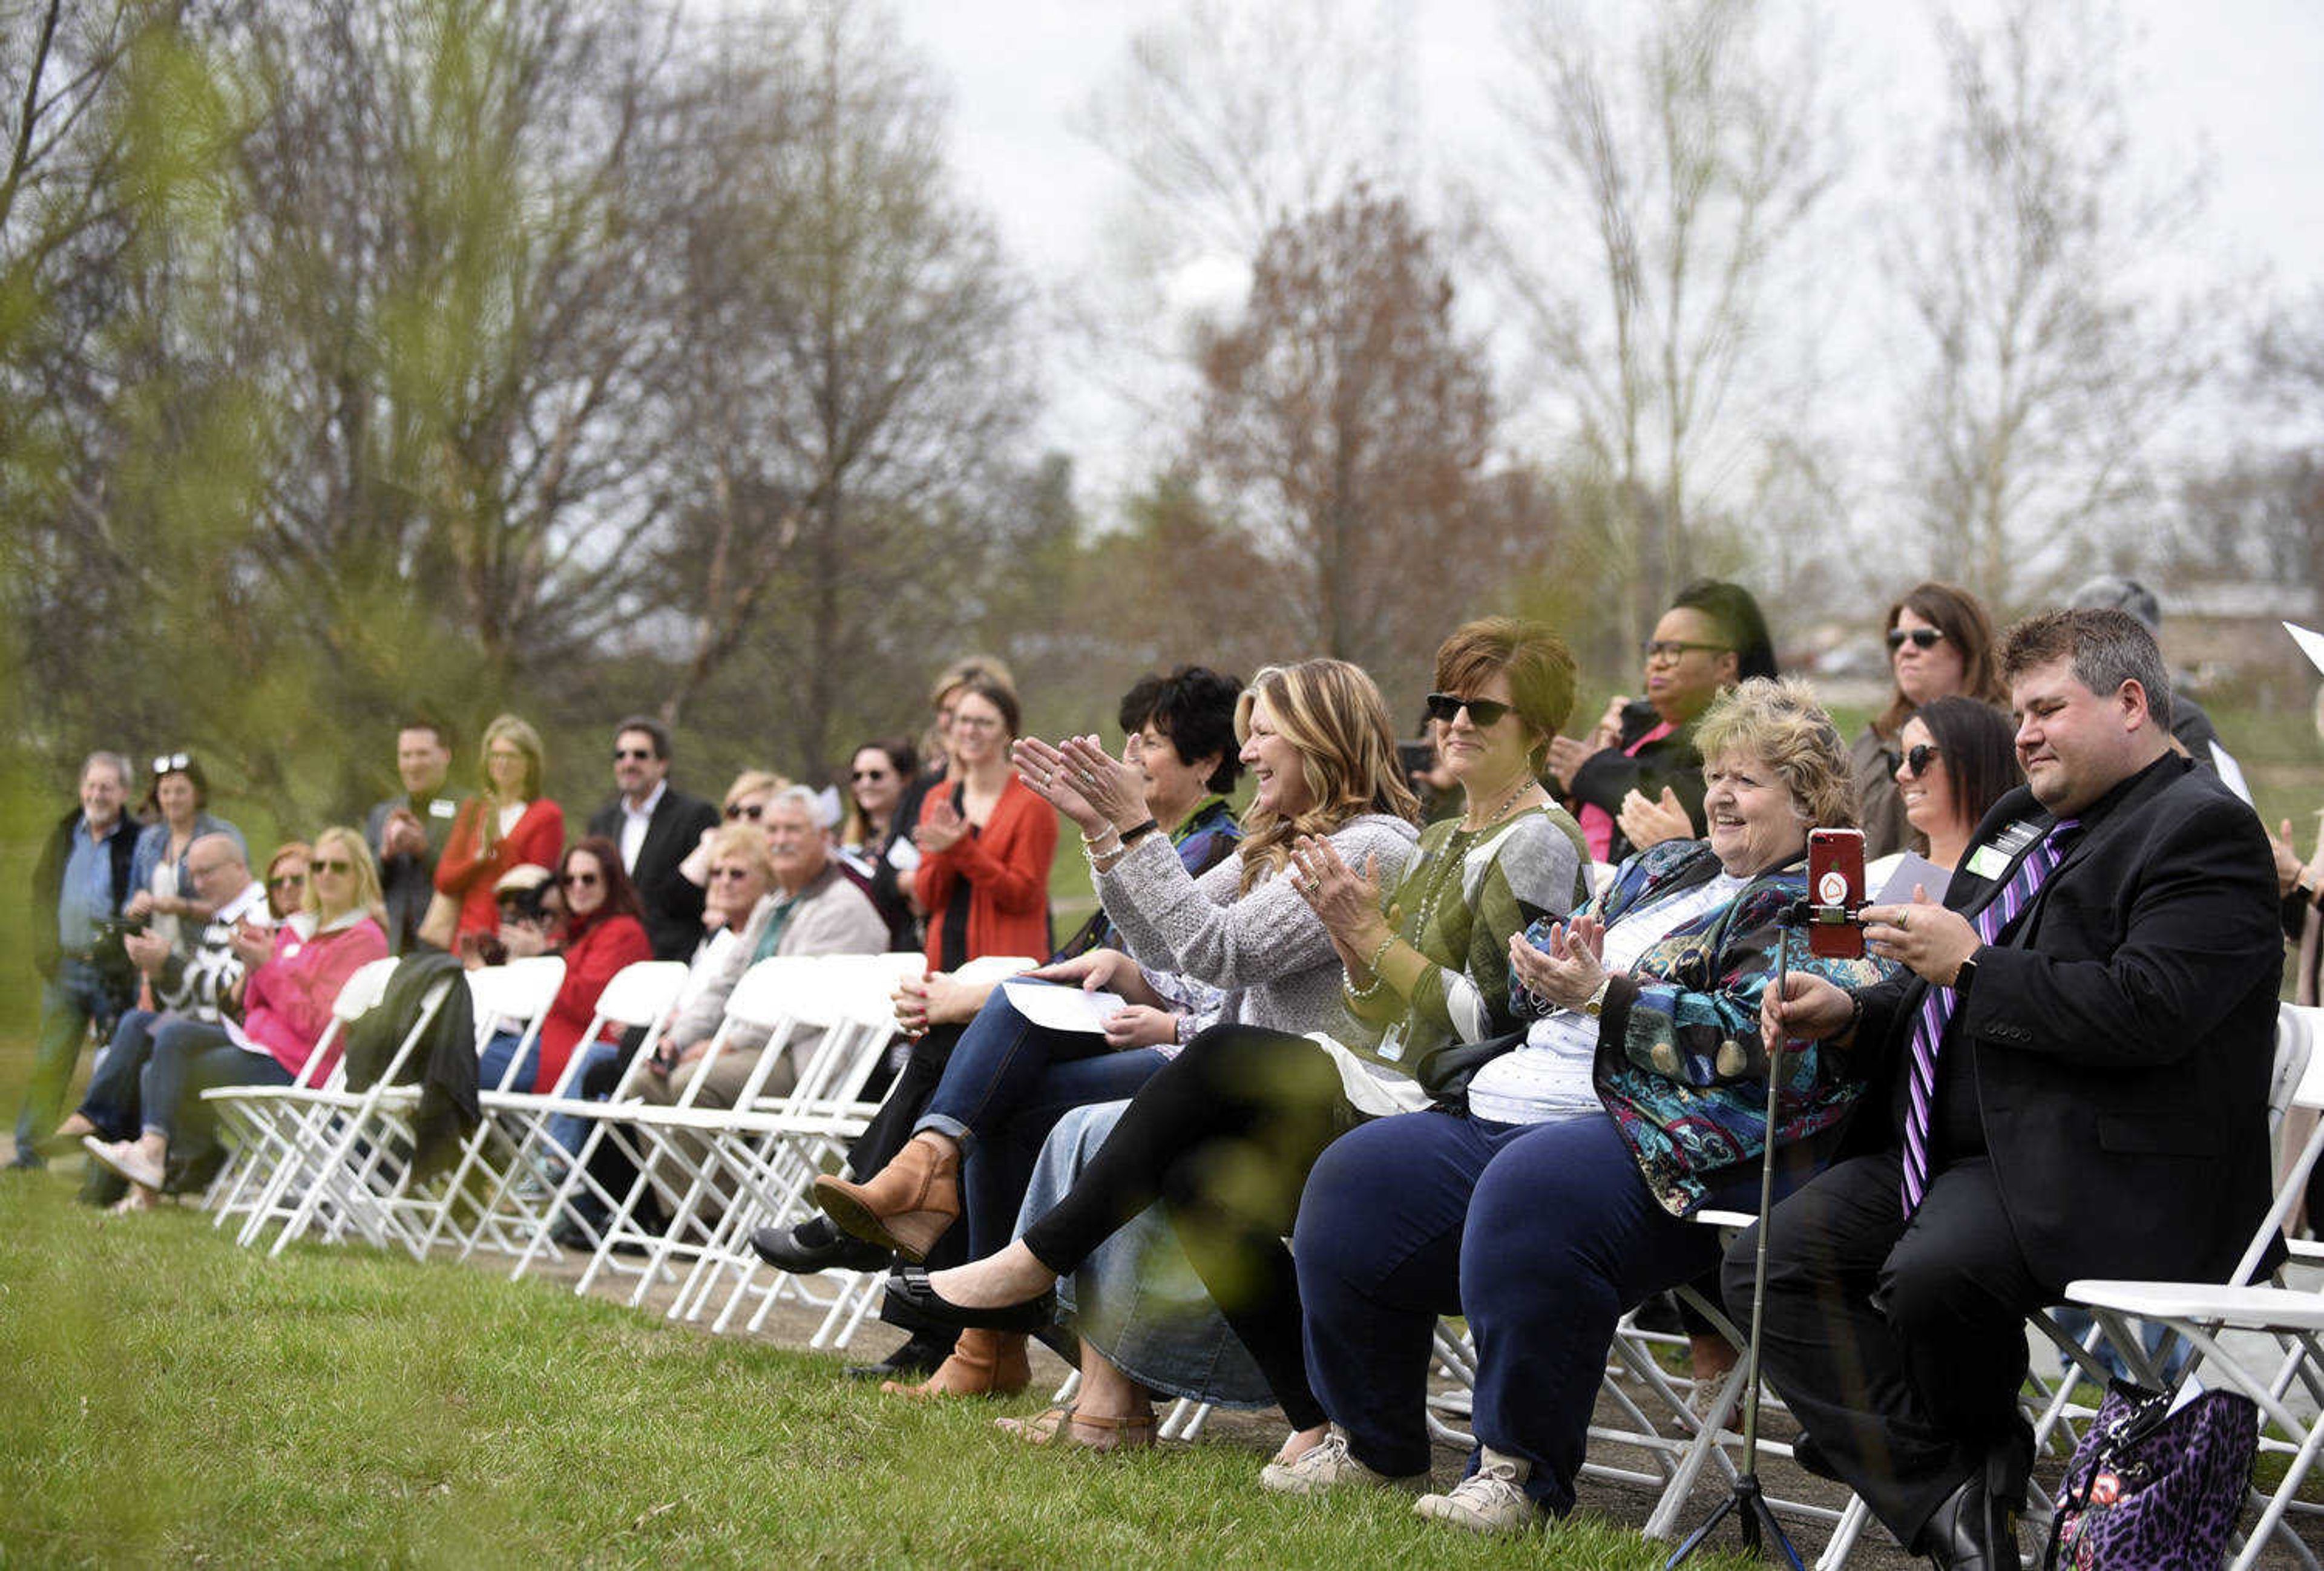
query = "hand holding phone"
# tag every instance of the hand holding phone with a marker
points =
(1836, 894)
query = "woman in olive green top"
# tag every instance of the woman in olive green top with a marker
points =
(1428, 968)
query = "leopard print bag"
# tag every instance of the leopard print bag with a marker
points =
(2153, 1490)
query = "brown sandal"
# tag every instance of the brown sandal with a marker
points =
(1124, 1432)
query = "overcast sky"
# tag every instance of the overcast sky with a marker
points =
(2236, 81)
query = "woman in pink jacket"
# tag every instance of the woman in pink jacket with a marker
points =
(294, 978)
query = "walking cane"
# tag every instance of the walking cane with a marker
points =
(1746, 1502)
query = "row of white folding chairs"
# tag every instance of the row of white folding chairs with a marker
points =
(701, 1175)
(319, 1155)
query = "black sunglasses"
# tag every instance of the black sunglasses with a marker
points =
(1916, 759)
(622, 754)
(1920, 637)
(869, 774)
(330, 865)
(753, 811)
(580, 881)
(1483, 713)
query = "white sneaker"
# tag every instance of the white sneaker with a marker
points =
(1491, 1500)
(123, 1158)
(1328, 1465)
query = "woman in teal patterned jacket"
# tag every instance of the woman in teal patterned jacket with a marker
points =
(1558, 1198)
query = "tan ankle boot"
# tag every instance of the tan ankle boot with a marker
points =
(983, 1363)
(907, 1204)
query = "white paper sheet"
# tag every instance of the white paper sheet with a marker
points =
(1063, 1009)
(1913, 869)
(2311, 642)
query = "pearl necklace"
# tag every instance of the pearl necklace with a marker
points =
(1525, 782)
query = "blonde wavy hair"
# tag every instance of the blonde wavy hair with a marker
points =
(1332, 715)
(1777, 720)
(348, 843)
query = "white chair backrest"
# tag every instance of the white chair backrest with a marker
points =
(2304, 1024)
(640, 995)
(362, 992)
(520, 991)
(2294, 1080)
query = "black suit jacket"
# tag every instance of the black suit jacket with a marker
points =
(673, 906)
(2121, 1035)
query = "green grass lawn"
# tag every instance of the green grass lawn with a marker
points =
(176, 1399)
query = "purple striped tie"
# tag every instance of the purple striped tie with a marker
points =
(1937, 1005)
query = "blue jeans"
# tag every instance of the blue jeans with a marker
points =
(1542, 1235)
(72, 1001)
(566, 1129)
(491, 1065)
(114, 1099)
(1004, 1088)
(189, 1058)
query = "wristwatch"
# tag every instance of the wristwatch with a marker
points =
(1596, 1005)
(1967, 973)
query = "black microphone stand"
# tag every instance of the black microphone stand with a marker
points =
(1746, 1502)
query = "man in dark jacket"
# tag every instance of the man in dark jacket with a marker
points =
(80, 881)
(407, 833)
(657, 827)
(2078, 1055)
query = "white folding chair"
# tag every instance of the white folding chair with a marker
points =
(671, 1175)
(256, 1121)
(515, 1161)
(2196, 1313)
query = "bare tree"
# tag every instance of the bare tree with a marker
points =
(2051, 365)
(1347, 420)
(856, 390)
(1687, 159)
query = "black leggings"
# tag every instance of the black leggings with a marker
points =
(1222, 1138)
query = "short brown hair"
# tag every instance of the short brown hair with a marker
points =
(2106, 648)
(1539, 667)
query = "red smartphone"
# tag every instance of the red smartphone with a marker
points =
(1836, 893)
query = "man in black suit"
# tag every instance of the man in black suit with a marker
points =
(2077, 1056)
(656, 827)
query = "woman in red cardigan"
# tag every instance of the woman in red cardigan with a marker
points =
(985, 842)
(509, 824)
(602, 931)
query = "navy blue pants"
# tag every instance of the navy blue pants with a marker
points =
(1005, 1087)
(1542, 1234)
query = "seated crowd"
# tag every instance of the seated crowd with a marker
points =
(1352, 1072)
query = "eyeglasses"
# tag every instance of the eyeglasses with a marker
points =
(1672, 649)
(869, 774)
(753, 811)
(504, 755)
(331, 864)
(1483, 713)
(722, 874)
(1918, 637)
(166, 761)
(287, 880)
(625, 754)
(1916, 759)
(578, 881)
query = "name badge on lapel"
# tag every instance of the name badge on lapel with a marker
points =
(1987, 862)
(442, 807)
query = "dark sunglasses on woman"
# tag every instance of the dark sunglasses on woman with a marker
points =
(1483, 713)
(1919, 637)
